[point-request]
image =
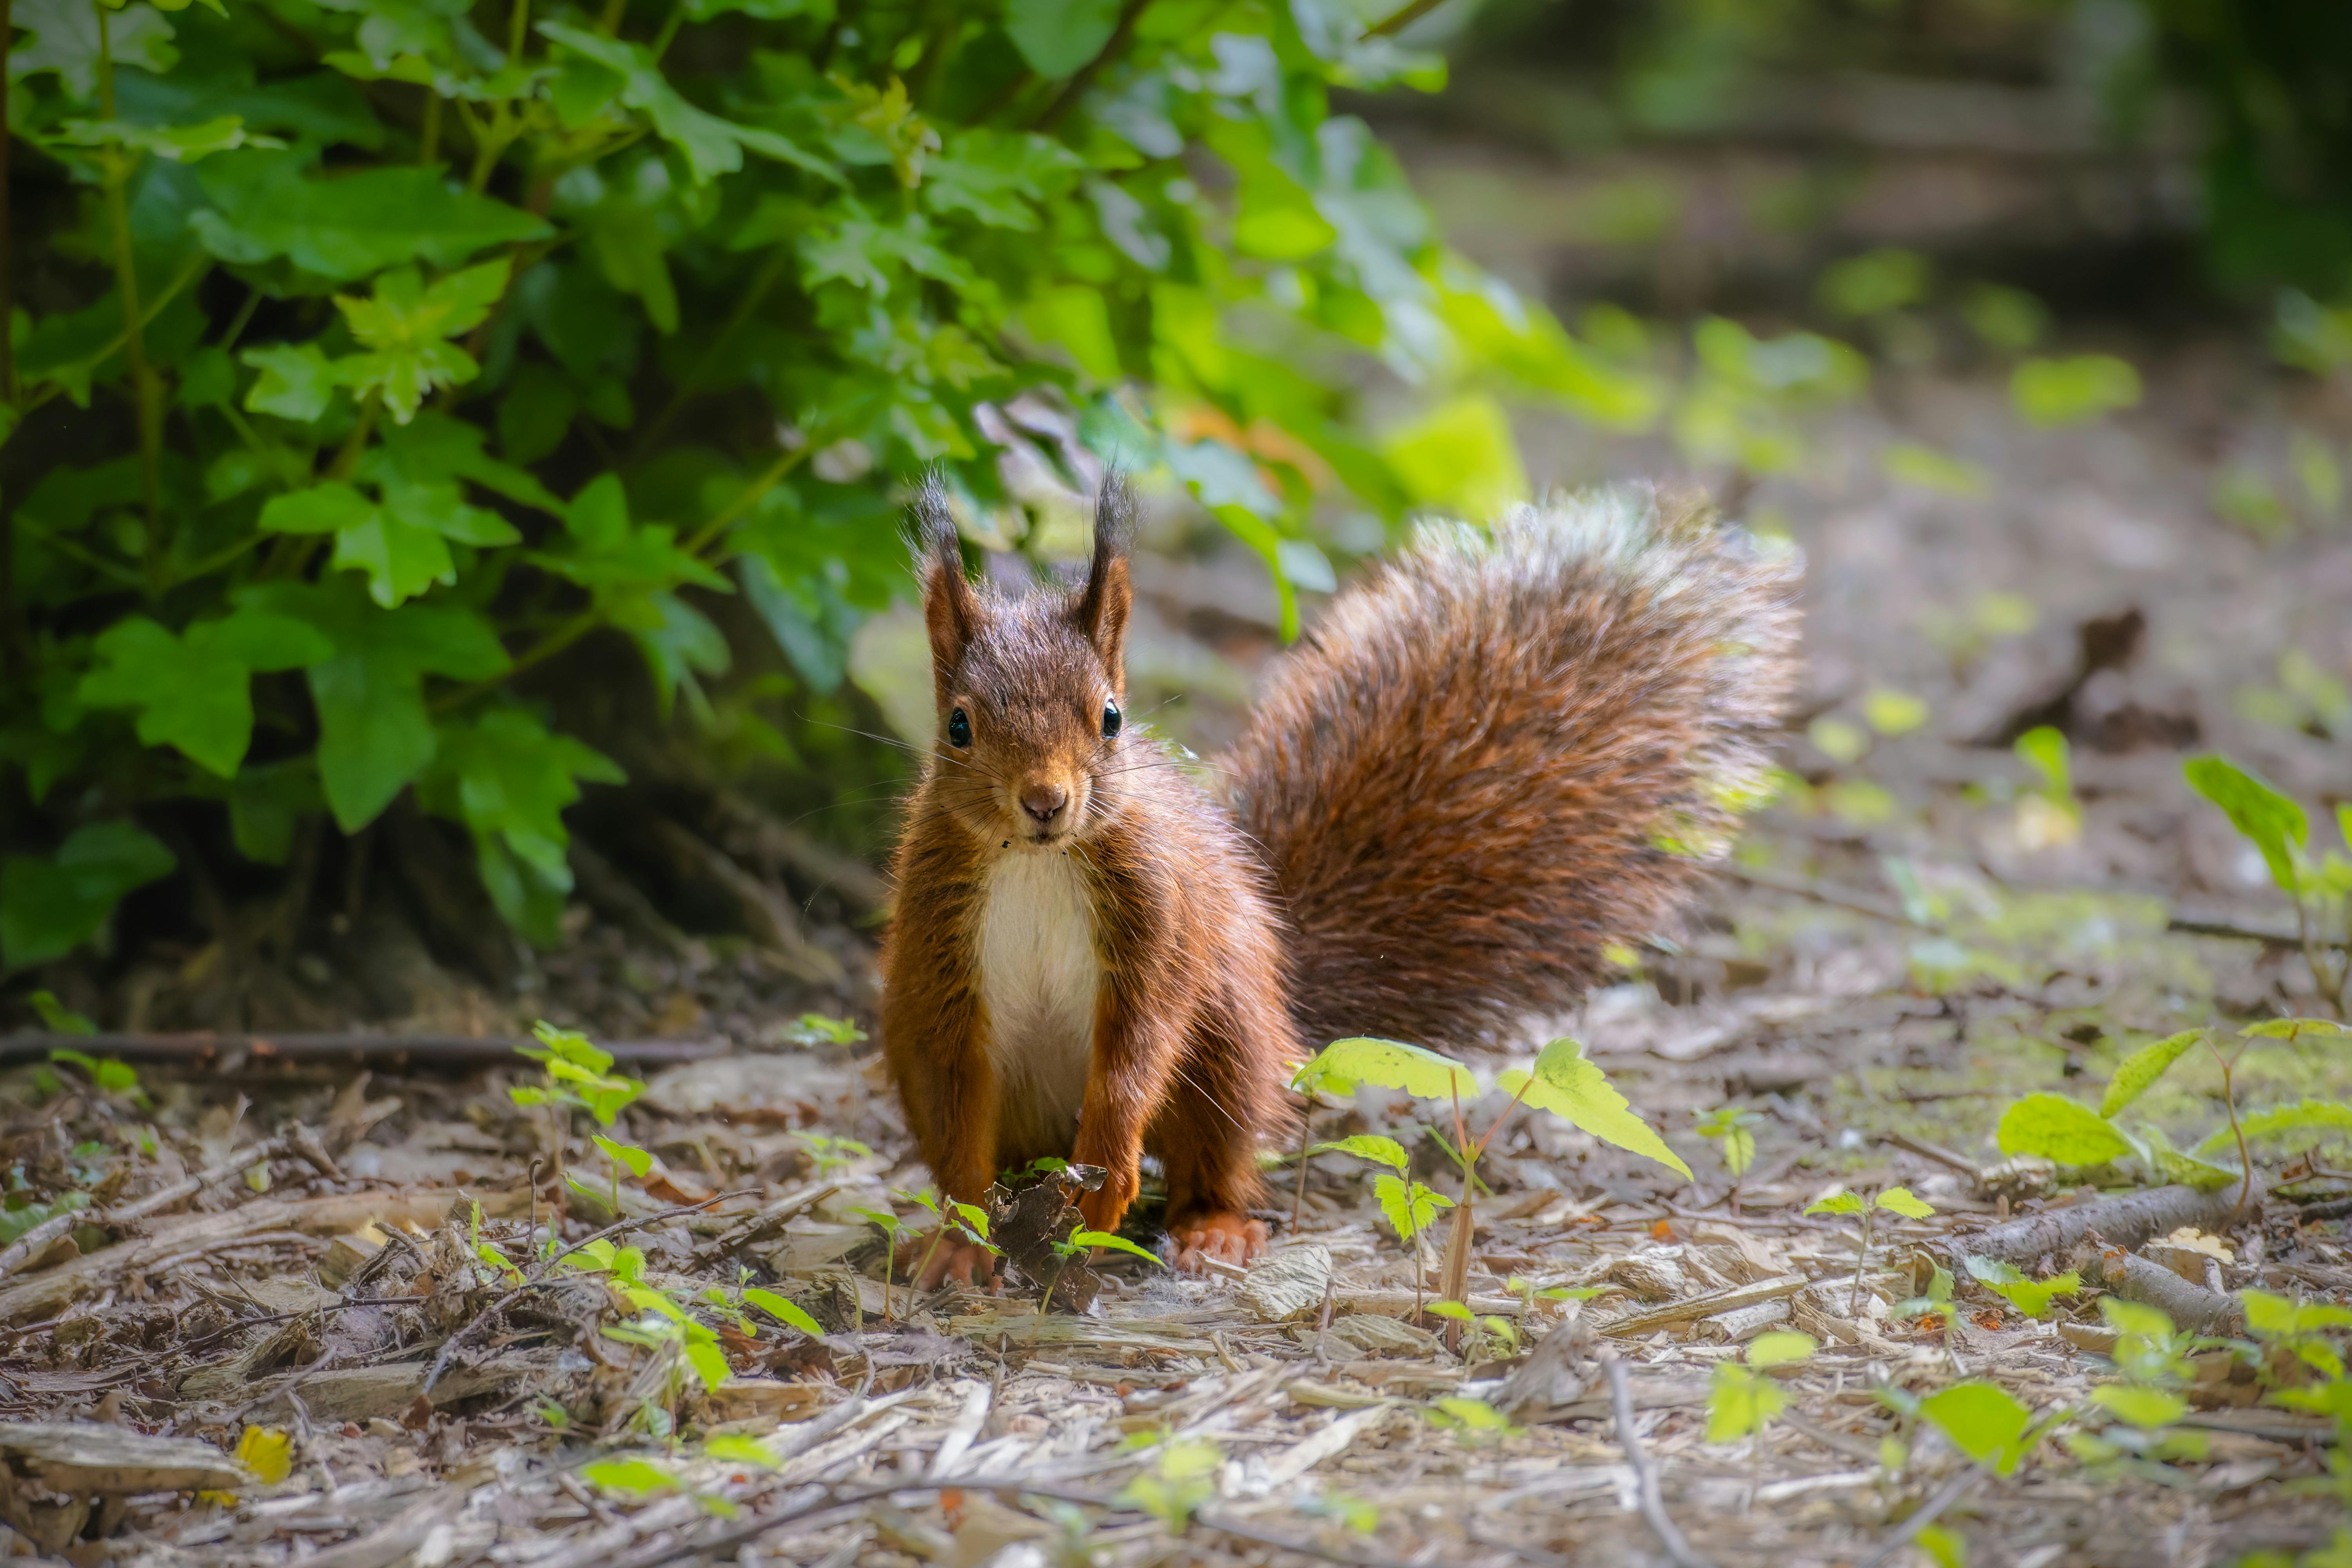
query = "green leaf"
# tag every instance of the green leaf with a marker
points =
(1368, 1146)
(2272, 1315)
(1407, 1207)
(628, 1155)
(295, 381)
(2030, 1296)
(374, 732)
(2044, 750)
(1338, 1067)
(711, 146)
(2050, 392)
(1580, 1094)
(782, 1311)
(634, 1477)
(2296, 1029)
(1899, 1200)
(709, 1361)
(1739, 1401)
(328, 508)
(52, 905)
(508, 779)
(1456, 1310)
(1837, 1204)
(2301, 1117)
(1082, 1237)
(2056, 1128)
(402, 327)
(351, 226)
(1926, 468)
(2275, 825)
(1058, 37)
(735, 1449)
(178, 143)
(2140, 1405)
(1781, 1347)
(1462, 457)
(1983, 1421)
(193, 692)
(63, 37)
(2143, 1067)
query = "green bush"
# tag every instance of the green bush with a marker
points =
(384, 351)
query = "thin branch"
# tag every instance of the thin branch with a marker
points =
(1396, 22)
(1645, 1469)
(1065, 100)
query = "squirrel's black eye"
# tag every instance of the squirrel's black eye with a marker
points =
(959, 730)
(1110, 719)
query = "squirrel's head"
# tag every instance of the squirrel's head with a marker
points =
(1031, 690)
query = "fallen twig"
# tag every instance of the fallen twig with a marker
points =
(1645, 1471)
(211, 1175)
(2193, 1309)
(37, 1240)
(2124, 1221)
(202, 1048)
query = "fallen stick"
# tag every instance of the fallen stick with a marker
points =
(50, 1291)
(35, 1241)
(2123, 1222)
(1692, 1308)
(211, 1175)
(2193, 1309)
(1645, 1469)
(206, 1047)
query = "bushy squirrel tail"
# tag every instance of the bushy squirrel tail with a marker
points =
(1506, 750)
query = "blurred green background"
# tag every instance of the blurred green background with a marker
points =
(454, 452)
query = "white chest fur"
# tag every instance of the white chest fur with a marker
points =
(1039, 976)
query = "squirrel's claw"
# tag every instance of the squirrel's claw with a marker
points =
(931, 1258)
(1225, 1237)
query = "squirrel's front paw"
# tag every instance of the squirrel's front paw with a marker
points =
(932, 1258)
(1224, 1236)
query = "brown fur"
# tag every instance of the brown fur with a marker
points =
(1462, 778)
(1457, 787)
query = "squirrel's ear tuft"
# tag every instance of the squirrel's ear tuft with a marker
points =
(951, 608)
(1102, 604)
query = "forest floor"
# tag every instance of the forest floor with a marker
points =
(288, 1312)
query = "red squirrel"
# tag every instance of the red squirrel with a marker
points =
(1490, 758)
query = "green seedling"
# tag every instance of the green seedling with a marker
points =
(2320, 888)
(1472, 1421)
(618, 1157)
(893, 1230)
(833, 1155)
(1181, 1478)
(575, 1075)
(1562, 1081)
(1742, 1400)
(1894, 1200)
(1732, 1130)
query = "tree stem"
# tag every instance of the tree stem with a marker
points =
(1129, 15)
(134, 340)
(7, 295)
(1397, 21)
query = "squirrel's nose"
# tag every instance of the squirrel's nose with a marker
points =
(1042, 801)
